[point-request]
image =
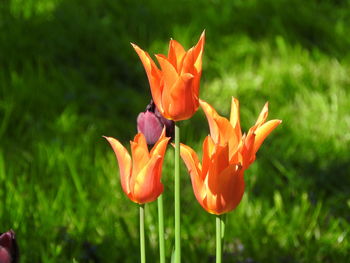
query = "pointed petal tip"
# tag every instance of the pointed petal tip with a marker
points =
(235, 100)
(162, 136)
(138, 49)
(202, 102)
(107, 138)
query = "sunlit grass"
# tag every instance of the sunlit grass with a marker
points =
(59, 182)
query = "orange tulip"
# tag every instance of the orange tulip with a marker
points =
(218, 183)
(241, 148)
(175, 86)
(140, 177)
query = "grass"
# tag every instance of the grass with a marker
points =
(68, 76)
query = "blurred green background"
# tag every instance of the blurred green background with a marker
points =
(68, 75)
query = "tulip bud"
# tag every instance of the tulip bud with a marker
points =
(150, 123)
(8, 247)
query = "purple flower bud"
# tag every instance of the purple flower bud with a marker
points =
(151, 124)
(8, 247)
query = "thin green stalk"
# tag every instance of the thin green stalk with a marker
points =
(177, 195)
(218, 239)
(161, 229)
(223, 226)
(142, 234)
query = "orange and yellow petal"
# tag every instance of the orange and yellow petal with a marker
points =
(139, 152)
(224, 200)
(159, 149)
(263, 115)
(169, 73)
(219, 161)
(221, 129)
(176, 54)
(153, 75)
(160, 146)
(208, 151)
(263, 131)
(247, 150)
(235, 119)
(235, 194)
(211, 115)
(188, 63)
(193, 165)
(146, 185)
(198, 52)
(226, 132)
(181, 105)
(124, 161)
(191, 160)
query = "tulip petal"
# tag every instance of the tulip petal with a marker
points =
(146, 185)
(235, 119)
(188, 63)
(263, 131)
(139, 152)
(191, 160)
(160, 147)
(211, 114)
(124, 161)
(220, 128)
(153, 75)
(218, 162)
(227, 134)
(176, 54)
(169, 72)
(263, 115)
(192, 62)
(198, 52)
(247, 150)
(208, 151)
(230, 191)
(233, 194)
(194, 168)
(180, 102)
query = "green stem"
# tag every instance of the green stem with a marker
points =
(177, 196)
(161, 229)
(142, 233)
(223, 225)
(218, 239)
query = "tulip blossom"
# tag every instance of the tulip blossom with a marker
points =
(8, 247)
(175, 86)
(218, 182)
(151, 123)
(223, 131)
(140, 175)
